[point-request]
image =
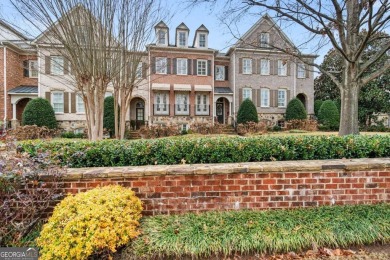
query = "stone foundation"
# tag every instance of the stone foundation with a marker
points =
(181, 120)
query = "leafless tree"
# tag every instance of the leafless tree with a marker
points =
(339, 22)
(89, 34)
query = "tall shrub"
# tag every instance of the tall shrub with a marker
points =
(109, 117)
(329, 115)
(39, 112)
(247, 112)
(317, 106)
(295, 110)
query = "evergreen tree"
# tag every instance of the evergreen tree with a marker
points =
(247, 112)
(295, 110)
(39, 112)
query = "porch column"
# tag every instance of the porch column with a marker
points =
(13, 111)
(230, 118)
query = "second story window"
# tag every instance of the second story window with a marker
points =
(33, 69)
(202, 68)
(219, 72)
(246, 93)
(161, 37)
(202, 40)
(182, 66)
(265, 65)
(282, 68)
(138, 72)
(182, 39)
(57, 65)
(247, 66)
(264, 40)
(161, 65)
(301, 71)
(58, 101)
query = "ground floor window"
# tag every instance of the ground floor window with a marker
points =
(202, 104)
(161, 103)
(182, 103)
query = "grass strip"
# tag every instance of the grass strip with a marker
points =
(276, 231)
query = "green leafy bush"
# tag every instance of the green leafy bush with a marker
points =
(329, 115)
(211, 234)
(72, 135)
(109, 117)
(295, 110)
(247, 112)
(84, 153)
(39, 112)
(317, 106)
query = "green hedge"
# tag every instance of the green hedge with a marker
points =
(270, 232)
(82, 153)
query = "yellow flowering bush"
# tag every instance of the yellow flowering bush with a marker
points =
(94, 222)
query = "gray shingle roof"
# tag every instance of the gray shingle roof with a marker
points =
(223, 90)
(24, 90)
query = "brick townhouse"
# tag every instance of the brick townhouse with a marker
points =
(184, 81)
(18, 74)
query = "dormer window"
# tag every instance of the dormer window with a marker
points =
(161, 37)
(264, 40)
(182, 39)
(202, 40)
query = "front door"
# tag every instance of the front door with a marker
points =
(140, 119)
(220, 112)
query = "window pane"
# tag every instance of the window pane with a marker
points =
(161, 65)
(202, 67)
(281, 98)
(202, 40)
(161, 37)
(58, 102)
(265, 97)
(182, 66)
(220, 73)
(57, 65)
(247, 66)
(265, 67)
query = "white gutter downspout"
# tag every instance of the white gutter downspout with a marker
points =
(151, 102)
(295, 78)
(5, 86)
(212, 82)
(234, 85)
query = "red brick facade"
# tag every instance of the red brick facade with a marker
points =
(178, 189)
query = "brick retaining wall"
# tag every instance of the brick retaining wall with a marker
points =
(182, 188)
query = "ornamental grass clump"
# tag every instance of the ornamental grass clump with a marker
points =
(95, 222)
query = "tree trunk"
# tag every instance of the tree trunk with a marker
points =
(349, 123)
(116, 113)
(94, 110)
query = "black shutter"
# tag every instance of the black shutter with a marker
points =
(209, 68)
(189, 66)
(174, 66)
(226, 73)
(195, 71)
(153, 65)
(25, 69)
(169, 61)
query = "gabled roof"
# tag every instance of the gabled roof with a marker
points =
(182, 26)
(202, 28)
(12, 29)
(161, 24)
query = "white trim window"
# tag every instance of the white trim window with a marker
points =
(264, 40)
(282, 68)
(301, 71)
(202, 67)
(161, 103)
(219, 73)
(138, 72)
(80, 108)
(265, 67)
(202, 40)
(161, 65)
(182, 66)
(57, 65)
(182, 39)
(202, 104)
(33, 69)
(247, 66)
(162, 37)
(246, 93)
(182, 106)
(57, 101)
(265, 97)
(282, 97)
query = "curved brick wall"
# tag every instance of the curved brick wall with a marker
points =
(182, 188)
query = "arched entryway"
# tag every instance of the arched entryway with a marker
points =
(302, 98)
(222, 110)
(137, 113)
(20, 106)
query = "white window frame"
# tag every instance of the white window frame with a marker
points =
(200, 41)
(301, 71)
(179, 40)
(200, 68)
(182, 103)
(246, 66)
(161, 103)
(161, 65)
(246, 93)
(138, 72)
(32, 67)
(79, 101)
(202, 103)
(265, 70)
(282, 68)
(264, 40)
(162, 35)
(182, 66)
(57, 109)
(265, 97)
(220, 73)
(282, 99)
(56, 65)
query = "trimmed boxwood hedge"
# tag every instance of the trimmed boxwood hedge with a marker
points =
(210, 150)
